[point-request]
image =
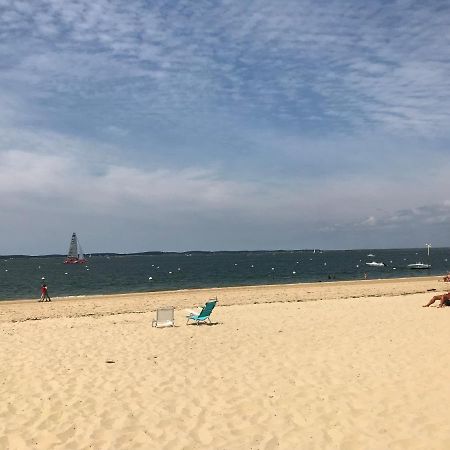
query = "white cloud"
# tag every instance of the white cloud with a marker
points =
(212, 112)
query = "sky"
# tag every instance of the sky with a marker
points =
(223, 124)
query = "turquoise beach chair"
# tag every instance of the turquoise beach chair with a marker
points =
(204, 313)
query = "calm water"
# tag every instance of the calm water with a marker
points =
(21, 277)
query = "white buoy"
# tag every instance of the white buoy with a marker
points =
(179, 268)
(273, 268)
(357, 265)
(65, 273)
(153, 265)
(235, 264)
(394, 268)
(294, 272)
(324, 264)
(43, 278)
(170, 273)
(6, 270)
(150, 278)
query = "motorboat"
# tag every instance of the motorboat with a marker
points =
(419, 265)
(375, 264)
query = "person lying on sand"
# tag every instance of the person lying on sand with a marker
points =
(447, 277)
(444, 300)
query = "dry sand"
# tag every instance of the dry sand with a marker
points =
(364, 368)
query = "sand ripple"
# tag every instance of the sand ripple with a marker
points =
(338, 374)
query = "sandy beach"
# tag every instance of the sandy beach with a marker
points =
(345, 365)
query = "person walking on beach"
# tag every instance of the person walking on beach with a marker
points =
(44, 294)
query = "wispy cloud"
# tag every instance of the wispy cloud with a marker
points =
(428, 215)
(398, 228)
(292, 115)
(382, 65)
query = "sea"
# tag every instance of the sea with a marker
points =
(21, 277)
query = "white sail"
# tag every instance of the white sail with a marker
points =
(75, 254)
(80, 252)
(73, 247)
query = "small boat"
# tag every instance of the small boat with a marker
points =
(371, 255)
(419, 265)
(375, 264)
(75, 253)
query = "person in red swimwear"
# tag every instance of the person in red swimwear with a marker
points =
(44, 294)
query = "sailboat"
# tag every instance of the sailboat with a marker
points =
(75, 254)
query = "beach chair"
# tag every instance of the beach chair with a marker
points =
(204, 313)
(165, 317)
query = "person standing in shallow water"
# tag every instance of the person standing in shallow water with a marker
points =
(44, 294)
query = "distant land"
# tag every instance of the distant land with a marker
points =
(155, 253)
(205, 252)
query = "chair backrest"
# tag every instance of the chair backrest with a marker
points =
(207, 309)
(165, 314)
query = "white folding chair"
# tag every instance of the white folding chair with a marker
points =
(164, 317)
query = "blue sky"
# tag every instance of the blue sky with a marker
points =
(178, 125)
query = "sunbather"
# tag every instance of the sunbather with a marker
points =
(444, 300)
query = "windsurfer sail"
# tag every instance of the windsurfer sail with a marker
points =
(75, 254)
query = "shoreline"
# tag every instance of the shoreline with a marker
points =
(220, 288)
(104, 304)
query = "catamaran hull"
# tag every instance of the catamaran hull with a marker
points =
(75, 261)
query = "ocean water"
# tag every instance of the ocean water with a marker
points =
(21, 277)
